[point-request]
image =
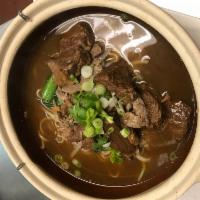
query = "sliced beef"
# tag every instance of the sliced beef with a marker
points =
(174, 128)
(64, 108)
(120, 143)
(138, 118)
(97, 49)
(72, 60)
(117, 78)
(153, 107)
(73, 53)
(80, 36)
(178, 117)
(59, 75)
(87, 144)
(75, 134)
(151, 101)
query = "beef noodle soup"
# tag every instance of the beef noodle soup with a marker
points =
(106, 99)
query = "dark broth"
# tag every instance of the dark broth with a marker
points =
(165, 72)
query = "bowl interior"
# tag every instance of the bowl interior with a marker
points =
(18, 90)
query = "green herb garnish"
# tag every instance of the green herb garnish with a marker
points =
(100, 140)
(115, 156)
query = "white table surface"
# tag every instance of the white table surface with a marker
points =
(23, 190)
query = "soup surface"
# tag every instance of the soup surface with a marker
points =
(142, 87)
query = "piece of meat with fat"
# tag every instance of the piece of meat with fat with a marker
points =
(174, 128)
(79, 36)
(117, 78)
(138, 118)
(72, 60)
(87, 144)
(59, 75)
(74, 134)
(150, 99)
(153, 108)
(178, 118)
(74, 52)
(97, 49)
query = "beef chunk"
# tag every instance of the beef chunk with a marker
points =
(58, 73)
(178, 117)
(75, 134)
(73, 52)
(72, 60)
(153, 107)
(138, 118)
(87, 144)
(151, 101)
(80, 36)
(97, 49)
(120, 143)
(117, 78)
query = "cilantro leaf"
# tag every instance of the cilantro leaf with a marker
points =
(100, 141)
(115, 156)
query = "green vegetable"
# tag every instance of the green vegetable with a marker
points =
(107, 117)
(98, 125)
(173, 156)
(76, 163)
(120, 109)
(100, 140)
(110, 130)
(115, 156)
(87, 100)
(98, 105)
(87, 85)
(49, 90)
(58, 158)
(90, 115)
(89, 131)
(73, 78)
(77, 173)
(125, 132)
(79, 114)
(65, 165)
(58, 101)
(99, 89)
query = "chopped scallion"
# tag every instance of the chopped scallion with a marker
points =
(76, 163)
(107, 117)
(73, 78)
(77, 173)
(98, 125)
(58, 158)
(65, 165)
(87, 85)
(99, 89)
(125, 132)
(89, 131)
(86, 71)
(110, 130)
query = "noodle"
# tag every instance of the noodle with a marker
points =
(76, 149)
(141, 158)
(42, 145)
(142, 172)
(104, 155)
